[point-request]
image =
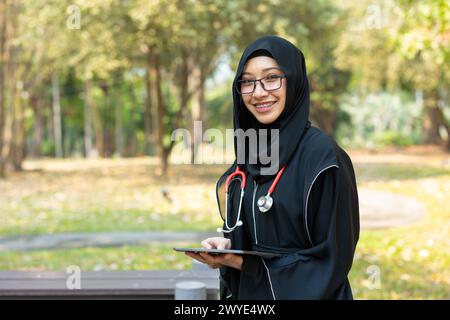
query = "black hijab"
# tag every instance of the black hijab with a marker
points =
(293, 121)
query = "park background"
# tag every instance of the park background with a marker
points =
(92, 90)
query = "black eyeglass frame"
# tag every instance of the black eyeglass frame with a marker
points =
(238, 83)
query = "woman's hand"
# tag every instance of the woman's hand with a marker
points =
(216, 261)
(216, 243)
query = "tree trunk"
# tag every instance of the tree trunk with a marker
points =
(3, 36)
(7, 133)
(19, 133)
(96, 118)
(148, 107)
(38, 129)
(325, 119)
(132, 143)
(98, 126)
(197, 110)
(56, 108)
(163, 153)
(448, 138)
(8, 60)
(87, 123)
(432, 119)
(108, 131)
(118, 128)
(183, 84)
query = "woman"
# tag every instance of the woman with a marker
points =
(314, 218)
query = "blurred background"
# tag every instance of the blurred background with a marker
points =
(92, 90)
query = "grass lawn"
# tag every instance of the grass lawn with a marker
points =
(108, 195)
(96, 259)
(413, 261)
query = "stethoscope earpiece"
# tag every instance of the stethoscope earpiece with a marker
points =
(238, 224)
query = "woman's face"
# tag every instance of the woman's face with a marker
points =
(266, 106)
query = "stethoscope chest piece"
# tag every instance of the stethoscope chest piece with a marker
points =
(265, 203)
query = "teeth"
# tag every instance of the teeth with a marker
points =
(265, 105)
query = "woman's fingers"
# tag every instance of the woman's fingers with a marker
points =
(207, 243)
(214, 261)
(225, 243)
(209, 259)
(195, 256)
(217, 261)
(216, 243)
(205, 258)
(220, 259)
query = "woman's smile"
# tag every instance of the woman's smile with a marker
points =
(263, 107)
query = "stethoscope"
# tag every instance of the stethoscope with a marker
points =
(264, 203)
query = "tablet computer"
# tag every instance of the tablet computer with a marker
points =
(222, 251)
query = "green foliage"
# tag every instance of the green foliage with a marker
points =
(48, 147)
(407, 47)
(392, 138)
(380, 120)
(220, 106)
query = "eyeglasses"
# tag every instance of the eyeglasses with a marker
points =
(269, 83)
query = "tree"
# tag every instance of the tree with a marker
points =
(401, 45)
(181, 48)
(9, 12)
(423, 42)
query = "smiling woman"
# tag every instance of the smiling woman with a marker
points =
(306, 210)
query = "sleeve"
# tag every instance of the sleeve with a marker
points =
(318, 272)
(320, 207)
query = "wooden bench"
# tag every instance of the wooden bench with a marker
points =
(155, 284)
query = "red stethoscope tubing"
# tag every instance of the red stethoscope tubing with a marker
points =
(239, 172)
(275, 182)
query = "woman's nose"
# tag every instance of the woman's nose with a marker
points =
(259, 90)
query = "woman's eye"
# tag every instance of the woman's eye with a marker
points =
(272, 78)
(247, 82)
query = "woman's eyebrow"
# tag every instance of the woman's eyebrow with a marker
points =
(266, 69)
(271, 68)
